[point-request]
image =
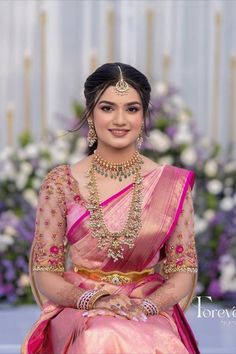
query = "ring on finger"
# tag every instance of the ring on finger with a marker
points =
(118, 305)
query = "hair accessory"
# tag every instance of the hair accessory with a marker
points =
(92, 136)
(122, 87)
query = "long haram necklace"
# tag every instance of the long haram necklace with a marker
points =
(99, 230)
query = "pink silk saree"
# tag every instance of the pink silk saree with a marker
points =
(64, 330)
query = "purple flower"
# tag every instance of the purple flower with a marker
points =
(171, 131)
(214, 289)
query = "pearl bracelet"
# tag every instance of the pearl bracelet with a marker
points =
(149, 307)
(87, 300)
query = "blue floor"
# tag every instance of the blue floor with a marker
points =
(215, 333)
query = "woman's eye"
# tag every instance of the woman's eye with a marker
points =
(133, 109)
(106, 108)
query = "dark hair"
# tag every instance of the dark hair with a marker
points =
(106, 75)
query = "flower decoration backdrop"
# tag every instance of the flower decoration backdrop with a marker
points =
(173, 139)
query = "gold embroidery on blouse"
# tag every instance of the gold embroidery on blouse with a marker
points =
(48, 268)
(172, 268)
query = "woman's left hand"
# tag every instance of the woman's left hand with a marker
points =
(118, 306)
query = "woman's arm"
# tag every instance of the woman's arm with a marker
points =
(48, 246)
(181, 260)
(57, 290)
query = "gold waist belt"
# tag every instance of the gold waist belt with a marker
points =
(116, 278)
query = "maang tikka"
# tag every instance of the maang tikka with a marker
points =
(122, 87)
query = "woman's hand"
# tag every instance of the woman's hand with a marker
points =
(118, 306)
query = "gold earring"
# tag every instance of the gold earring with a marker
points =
(140, 138)
(92, 136)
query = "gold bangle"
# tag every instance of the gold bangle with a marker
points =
(96, 296)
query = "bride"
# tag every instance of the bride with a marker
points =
(104, 227)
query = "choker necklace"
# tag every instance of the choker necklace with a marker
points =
(99, 229)
(117, 170)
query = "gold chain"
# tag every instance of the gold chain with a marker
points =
(127, 236)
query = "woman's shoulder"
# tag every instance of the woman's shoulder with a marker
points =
(56, 176)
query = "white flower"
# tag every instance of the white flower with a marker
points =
(21, 181)
(205, 142)
(6, 240)
(200, 224)
(6, 153)
(24, 280)
(59, 152)
(211, 168)
(31, 151)
(11, 231)
(209, 215)
(26, 168)
(183, 117)
(31, 197)
(230, 167)
(188, 156)
(36, 183)
(227, 204)
(166, 160)
(160, 89)
(159, 140)
(178, 101)
(8, 171)
(214, 186)
(44, 164)
(183, 134)
(43, 147)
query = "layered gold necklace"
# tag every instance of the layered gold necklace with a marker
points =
(115, 240)
(117, 170)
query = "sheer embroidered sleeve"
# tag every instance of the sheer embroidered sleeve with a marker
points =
(180, 249)
(48, 246)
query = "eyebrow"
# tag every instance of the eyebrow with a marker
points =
(114, 104)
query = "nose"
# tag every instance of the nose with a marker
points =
(119, 117)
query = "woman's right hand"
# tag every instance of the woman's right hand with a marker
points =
(118, 305)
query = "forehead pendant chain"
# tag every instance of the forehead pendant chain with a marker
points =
(122, 87)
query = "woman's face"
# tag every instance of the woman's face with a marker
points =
(118, 118)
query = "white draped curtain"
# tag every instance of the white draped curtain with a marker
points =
(80, 34)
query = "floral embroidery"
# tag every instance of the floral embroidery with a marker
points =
(77, 198)
(48, 252)
(54, 249)
(180, 249)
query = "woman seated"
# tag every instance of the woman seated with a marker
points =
(103, 228)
